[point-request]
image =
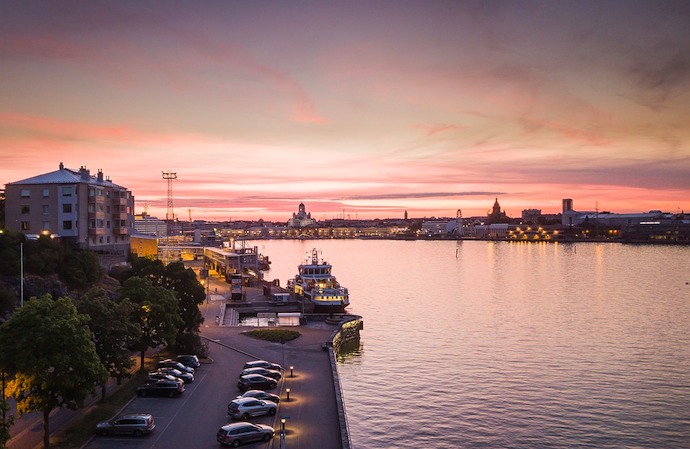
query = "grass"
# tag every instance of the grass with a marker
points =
(83, 427)
(274, 335)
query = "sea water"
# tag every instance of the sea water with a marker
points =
(475, 344)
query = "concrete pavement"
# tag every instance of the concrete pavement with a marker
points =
(311, 414)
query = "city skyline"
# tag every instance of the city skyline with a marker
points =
(361, 109)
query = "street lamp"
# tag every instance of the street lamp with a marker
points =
(282, 426)
(291, 373)
(288, 394)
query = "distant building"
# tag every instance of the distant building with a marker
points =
(439, 227)
(301, 219)
(531, 215)
(83, 210)
(146, 225)
(496, 215)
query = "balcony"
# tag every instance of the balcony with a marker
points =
(96, 215)
(96, 199)
(97, 231)
(120, 231)
(117, 216)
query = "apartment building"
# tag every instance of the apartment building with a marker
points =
(84, 210)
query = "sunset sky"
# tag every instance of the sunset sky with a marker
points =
(365, 109)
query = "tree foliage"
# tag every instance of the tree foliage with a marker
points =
(49, 349)
(190, 294)
(45, 257)
(156, 312)
(113, 330)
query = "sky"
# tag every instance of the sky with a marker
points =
(358, 109)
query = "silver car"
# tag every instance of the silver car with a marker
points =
(137, 425)
(244, 408)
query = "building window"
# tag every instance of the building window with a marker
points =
(26, 193)
(67, 224)
(107, 239)
(46, 225)
(100, 240)
(46, 209)
(26, 226)
(25, 209)
(46, 193)
(67, 191)
(67, 208)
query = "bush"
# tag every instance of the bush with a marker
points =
(274, 335)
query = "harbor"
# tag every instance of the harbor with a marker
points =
(316, 409)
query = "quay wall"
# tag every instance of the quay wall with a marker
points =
(347, 333)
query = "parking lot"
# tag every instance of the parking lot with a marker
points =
(193, 419)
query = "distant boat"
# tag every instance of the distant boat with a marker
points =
(314, 283)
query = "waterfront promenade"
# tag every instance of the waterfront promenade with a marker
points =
(311, 415)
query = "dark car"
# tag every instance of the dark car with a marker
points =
(260, 394)
(263, 371)
(243, 432)
(189, 360)
(169, 388)
(135, 424)
(256, 381)
(262, 364)
(170, 363)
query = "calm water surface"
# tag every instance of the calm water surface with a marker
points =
(511, 345)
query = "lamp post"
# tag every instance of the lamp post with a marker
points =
(21, 274)
(291, 371)
(288, 394)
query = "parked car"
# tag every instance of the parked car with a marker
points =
(256, 381)
(135, 424)
(260, 394)
(263, 371)
(262, 364)
(167, 388)
(244, 408)
(170, 363)
(157, 375)
(189, 360)
(186, 377)
(243, 432)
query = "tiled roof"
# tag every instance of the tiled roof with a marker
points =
(64, 176)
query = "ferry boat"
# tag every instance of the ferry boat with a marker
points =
(314, 283)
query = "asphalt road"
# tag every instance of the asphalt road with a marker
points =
(193, 419)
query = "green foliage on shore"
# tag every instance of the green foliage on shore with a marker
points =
(274, 335)
(49, 351)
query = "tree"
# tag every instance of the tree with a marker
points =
(49, 349)
(113, 331)
(156, 312)
(190, 294)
